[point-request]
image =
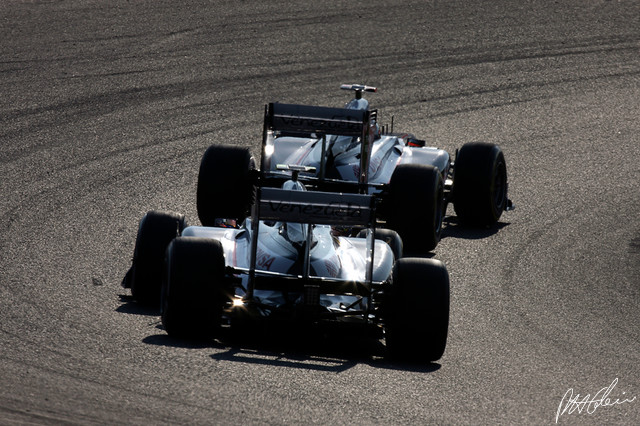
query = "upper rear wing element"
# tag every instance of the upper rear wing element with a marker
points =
(316, 119)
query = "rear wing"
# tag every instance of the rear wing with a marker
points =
(309, 208)
(321, 121)
(325, 208)
(316, 119)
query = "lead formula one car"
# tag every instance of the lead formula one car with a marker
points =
(289, 262)
(346, 150)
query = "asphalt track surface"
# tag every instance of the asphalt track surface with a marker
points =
(107, 107)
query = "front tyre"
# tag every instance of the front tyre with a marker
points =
(480, 184)
(194, 290)
(417, 310)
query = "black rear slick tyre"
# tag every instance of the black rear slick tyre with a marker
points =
(225, 184)
(194, 290)
(415, 206)
(479, 184)
(417, 310)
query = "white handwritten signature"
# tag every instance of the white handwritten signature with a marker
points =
(571, 403)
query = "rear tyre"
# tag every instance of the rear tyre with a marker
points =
(225, 184)
(155, 232)
(417, 310)
(415, 206)
(194, 291)
(479, 184)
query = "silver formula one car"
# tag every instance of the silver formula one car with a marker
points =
(346, 150)
(289, 262)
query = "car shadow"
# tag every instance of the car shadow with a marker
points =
(453, 229)
(130, 306)
(171, 342)
(292, 359)
(320, 360)
(313, 351)
(333, 351)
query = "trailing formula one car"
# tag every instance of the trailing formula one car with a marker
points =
(346, 150)
(288, 262)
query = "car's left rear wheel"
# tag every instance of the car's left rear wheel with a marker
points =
(225, 184)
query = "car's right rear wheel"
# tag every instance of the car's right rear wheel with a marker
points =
(194, 289)
(417, 310)
(479, 184)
